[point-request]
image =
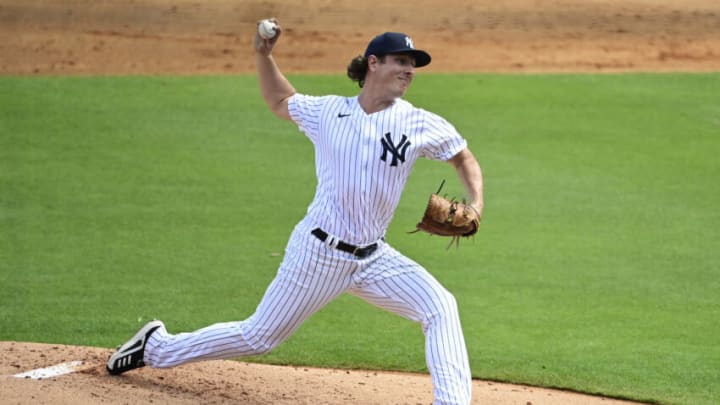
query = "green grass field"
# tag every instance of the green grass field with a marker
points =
(596, 268)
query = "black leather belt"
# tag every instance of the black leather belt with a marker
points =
(361, 252)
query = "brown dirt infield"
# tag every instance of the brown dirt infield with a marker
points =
(227, 381)
(87, 37)
(190, 37)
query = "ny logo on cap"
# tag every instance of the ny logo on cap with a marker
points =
(409, 43)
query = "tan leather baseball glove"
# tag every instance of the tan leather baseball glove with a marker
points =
(449, 217)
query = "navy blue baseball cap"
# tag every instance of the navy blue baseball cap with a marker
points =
(396, 42)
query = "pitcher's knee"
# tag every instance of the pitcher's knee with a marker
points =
(447, 304)
(263, 340)
(445, 308)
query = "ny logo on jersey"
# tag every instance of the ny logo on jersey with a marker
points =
(397, 151)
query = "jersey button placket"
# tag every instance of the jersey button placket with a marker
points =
(365, 156)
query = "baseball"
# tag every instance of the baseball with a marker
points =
(267, 29)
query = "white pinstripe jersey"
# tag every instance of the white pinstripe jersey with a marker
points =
(362, 161)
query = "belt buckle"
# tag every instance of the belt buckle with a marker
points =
(359, 252)
(363, 252)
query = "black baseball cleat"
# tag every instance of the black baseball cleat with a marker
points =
(130, 355)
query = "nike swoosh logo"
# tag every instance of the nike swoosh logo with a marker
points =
(341, 115)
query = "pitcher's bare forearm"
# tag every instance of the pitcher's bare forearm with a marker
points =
(470, 174)
(275, 88)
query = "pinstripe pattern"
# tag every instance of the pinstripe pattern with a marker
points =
(357, 194)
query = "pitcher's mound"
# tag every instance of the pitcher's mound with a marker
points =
(226, 381)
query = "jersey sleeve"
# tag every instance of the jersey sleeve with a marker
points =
(443, 140)
(305, 111)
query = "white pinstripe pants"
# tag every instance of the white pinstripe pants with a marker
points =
(311, 275)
